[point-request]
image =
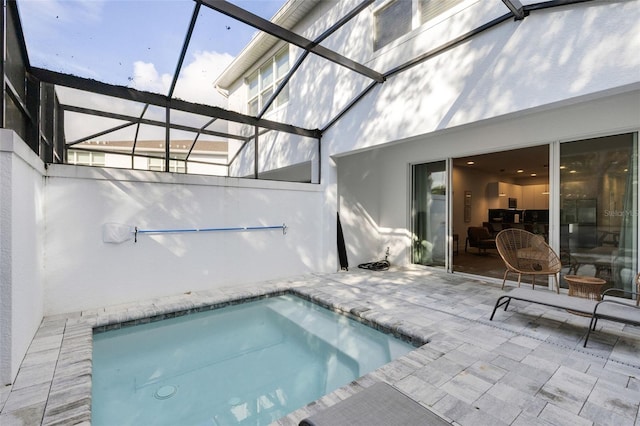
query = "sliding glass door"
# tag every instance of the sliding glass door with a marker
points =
(599, 208)
(429, 214)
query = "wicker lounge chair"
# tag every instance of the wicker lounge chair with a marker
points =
(525, 253)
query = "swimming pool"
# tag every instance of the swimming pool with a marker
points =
(246, 364)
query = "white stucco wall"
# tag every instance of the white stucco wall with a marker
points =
(560, 74)
(277, 151)
(83, 272)
(21, 251)
(552, 56)
(376, 185)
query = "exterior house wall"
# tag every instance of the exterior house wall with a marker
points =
(585, 51)
(488, 93)
(383, 186)
(83, 272)
(21, 251)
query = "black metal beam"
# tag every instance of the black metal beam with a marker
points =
(22, 107)
(552, 3)
(134, 120)
(255, 153)
(269, 27)
(98, 134)
(134, 95)
(135, 137)
(12, 8)
(335, 27)
(167, 140)
(516, 8)
(185, 46)
(3, 60)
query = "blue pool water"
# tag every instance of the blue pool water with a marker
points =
(247, 364)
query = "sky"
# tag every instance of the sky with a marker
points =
(137, 43)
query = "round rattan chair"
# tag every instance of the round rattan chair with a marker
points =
(525, 253)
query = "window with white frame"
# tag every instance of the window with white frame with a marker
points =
(263, 83)
(85, 158)
(157, 165)
(395, 18)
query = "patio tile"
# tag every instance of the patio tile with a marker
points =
(526, 367)
(523, 377)
(420, 390)
(24, 416)
(541, 363)
(513, 351)
(525, 341)
(528, 420)
(439, 372)
(465, 414)
(49, 342)
(25, 397)
(466, 387)
(603, 417)
(626, 351)
(617, 399)
(395, 371)
(514, 397)
(39, 358)
(504, 412)
(621, 368)
(34, 375)
(568, 389)
(603, 375)
(557, 416)
(487, 372)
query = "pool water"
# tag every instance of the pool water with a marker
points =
(247, 364)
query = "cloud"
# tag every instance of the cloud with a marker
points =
(195, 83)
(146, 77)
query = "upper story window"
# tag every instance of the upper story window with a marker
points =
(395, 18)
(157, 165)
(85, 158)
(264, 81)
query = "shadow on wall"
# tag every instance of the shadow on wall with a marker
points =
(85, 272)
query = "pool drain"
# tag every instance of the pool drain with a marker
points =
(165, 392)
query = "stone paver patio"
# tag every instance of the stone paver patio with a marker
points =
(527, 367)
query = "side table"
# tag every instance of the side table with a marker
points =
(583, 286)
(586, 287)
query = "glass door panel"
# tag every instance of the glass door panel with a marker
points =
(599, 209)
(429, 214)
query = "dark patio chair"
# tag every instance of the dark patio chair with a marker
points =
(480, 238)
